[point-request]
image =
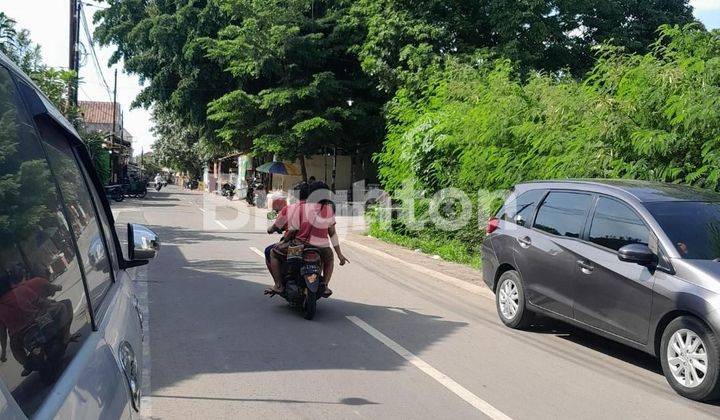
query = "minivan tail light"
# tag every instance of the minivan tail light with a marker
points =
(493, 225)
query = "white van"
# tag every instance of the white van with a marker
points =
(70, 326)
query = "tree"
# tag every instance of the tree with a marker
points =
(8, 34)
(176, 146)
(402, 36)
(299, 89)
(99, 154)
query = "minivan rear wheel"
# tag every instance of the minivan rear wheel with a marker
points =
(689, 354)
(510, 301)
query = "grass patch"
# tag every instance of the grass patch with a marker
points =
(431, 243)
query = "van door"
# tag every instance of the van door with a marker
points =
(547, 254)
(613, 295)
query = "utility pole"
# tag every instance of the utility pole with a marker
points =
(334, 169)
(74, 53)
(114, 122)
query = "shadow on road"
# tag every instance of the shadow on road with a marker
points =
(212, 318)
(544, 325)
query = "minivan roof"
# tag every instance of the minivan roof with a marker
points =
(643, 191)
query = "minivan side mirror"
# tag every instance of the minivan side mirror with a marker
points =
(637, 253)
(143, 243)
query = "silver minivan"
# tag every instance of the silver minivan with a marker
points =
(70, 325)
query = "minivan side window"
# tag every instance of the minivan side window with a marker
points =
(89, 236)
(44, 315)
(523, 205)
(563, 213)
(615, 225)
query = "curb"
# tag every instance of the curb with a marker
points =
(454, 281)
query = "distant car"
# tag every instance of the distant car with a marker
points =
(636, 262)
(71, 325)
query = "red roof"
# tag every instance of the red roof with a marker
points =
(99, 112)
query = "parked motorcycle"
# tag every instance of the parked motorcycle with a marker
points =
(115, 192)
(256, 192)
(228, 190)
(136, 189)
(302, 274)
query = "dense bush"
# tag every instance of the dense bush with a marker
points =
(478, 126)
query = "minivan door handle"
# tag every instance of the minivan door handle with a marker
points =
(525, 241)
(585, 267)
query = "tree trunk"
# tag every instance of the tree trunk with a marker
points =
(303, 169)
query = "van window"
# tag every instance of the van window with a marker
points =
(81, 212)
(615, 225)
(43, 308)
(564, 213)
(523, 205)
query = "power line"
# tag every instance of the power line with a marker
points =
(98, 67)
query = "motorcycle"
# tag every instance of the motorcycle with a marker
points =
(136, 189)
(302, 274)
(158, 186)
(228, 190)
(115, 192)
(255, 195)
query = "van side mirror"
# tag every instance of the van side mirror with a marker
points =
(143, 243)
(637, 253)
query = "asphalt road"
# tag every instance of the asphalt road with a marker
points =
(391, 343)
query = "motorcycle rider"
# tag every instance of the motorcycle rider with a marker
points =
(158, 181)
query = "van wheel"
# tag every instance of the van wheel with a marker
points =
(689, 354)
(510, 301)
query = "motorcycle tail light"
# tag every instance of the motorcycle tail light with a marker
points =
(311, 256)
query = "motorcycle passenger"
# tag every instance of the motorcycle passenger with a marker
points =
(275, 258)
(322, 216)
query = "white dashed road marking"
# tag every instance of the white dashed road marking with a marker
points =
(444, 380)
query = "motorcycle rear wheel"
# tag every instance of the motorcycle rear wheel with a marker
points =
(309, 305)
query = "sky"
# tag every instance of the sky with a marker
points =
(47, 21)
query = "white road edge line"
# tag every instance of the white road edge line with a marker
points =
(141, 292)
(443, 379)
(472, 288)
(257, 251)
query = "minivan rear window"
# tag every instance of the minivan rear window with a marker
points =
(692, 226)
(523, 205)
(563, 213)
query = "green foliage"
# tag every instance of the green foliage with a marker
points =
(99, 155)
(401, 37)
(455, 250)
(294, 76)
(480, 126)
(176, 145)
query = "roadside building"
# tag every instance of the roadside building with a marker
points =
(102, 118)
